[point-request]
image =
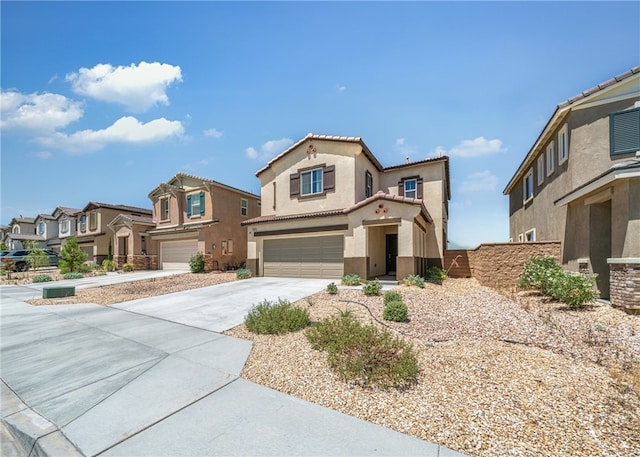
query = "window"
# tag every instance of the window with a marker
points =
(530, 235)
(520, 238)
(40, 228)
(83, 223)
(550, 159)
(311, 182)
(164, 209)
(224, 248)
(411, 188)
(624, 132)
(368, 184)
(244, 207)
(528, 186)
(230, 247)
(64, 226)
(274, 195)
(93, 220)
(16, 229)
(195, 205)
(563, 144)
(541, 169)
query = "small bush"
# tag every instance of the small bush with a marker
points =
(365, 354)
(539, 273)
(196, 263)
(391, 295)
(73, 275)
(372, 287)
(414, 280)
(243, 273)
(395, 311)
(42, 278)
(108, 265)
(332, 288)
(127, 267)
(351, 280)
(276, 318)
(436, 275)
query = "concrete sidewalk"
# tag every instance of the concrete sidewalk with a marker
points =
(94, 380)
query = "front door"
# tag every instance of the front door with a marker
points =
(392, 253)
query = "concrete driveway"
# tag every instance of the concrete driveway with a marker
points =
(153, 377)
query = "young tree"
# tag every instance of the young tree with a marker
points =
(3, 246)
(72, 257)
(36, 257)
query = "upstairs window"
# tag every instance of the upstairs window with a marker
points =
(530, 235)
(411, 188)
(541, 169)
(527, 183)
(16, 229)
(624, 132)
(195, 205)
(164, 209)
(368, 184)
(83, 223)
(244, 207)
(311, 182)
(550, 156)
(40, 228)
(93, 220)
(64, 226)
(563, 144)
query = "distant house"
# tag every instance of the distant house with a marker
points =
(193, 214)
(93, 233)
(67, 224)
(47, 230)
(22, 230)
(330, 208)
(580, 184)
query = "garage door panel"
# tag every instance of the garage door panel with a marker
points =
(175, 255)
(310, 257)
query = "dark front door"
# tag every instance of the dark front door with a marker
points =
(392, 253)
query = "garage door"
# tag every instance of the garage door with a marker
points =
(314, 257)
(175, 255)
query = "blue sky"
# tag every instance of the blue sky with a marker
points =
(104, 101)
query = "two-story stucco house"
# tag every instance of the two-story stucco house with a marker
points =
(580, 184)
(22, 230)
(93, 233)
(193, 214)
(47, 230)
(67, 224)
(330, 208)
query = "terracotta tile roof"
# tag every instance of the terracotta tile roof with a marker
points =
(45, 216)
(599, 87)
(292, 217)
(198, 178)
(67, 211)
(136, 219)
(133, 209)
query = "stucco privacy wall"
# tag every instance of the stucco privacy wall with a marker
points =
(498, 264)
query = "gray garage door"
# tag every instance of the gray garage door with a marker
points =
(175, 255)
(313, 257)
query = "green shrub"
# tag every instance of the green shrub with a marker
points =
(243, 273)
(391, 295)
(72, 257)
(196, 263)
(42, 278)
(276, 318)
(539, 273)
(108, 265)
(372, 287)
(365, 354)
(395, 311)
(73, 275)
(436, 275)
(351, 280)
(414, 280)
(332, 288)
(127, 267)
(86, 267)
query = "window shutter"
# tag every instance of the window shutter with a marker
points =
(329, 178)
(625, 132)
(201, 203)
(294, 184)
(419, 186)
(188, 205)
(401, 188)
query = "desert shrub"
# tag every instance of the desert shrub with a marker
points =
(351, 280)
(108, 265)
(73, 275)
(42, 278)
(395, 311)
(127, 267)
(365, 354)
(196, 263)
(332, 288)
(414, 280)
(539, 273)
(72, 257)
(372, 287)
(436, 275)
(391, 295)
(86, 267)
(243, 273)
(276, 318)
(37, 258)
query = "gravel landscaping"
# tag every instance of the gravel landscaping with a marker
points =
(501, 375)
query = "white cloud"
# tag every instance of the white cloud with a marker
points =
(39, 112)
(268, 149)
(403, 148)
(213, 132)
(44, 155)
(483, 181)
(477, 147)
(341, 87)
(125, 130)
(138, 87)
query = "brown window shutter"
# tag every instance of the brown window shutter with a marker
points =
(329, 178)
(419, 186)
(294, 184)
(401, 188)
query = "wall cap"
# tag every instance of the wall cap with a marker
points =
(630, 260)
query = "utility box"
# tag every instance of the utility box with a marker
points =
(57, 292)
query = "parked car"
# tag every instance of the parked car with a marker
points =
(19, 258)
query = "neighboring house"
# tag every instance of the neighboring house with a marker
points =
(4, 231)
(580, 184)
(93, 233)
(131, 242)
(22, 230)
(47, 229)
(330, 208)
(67, 224)
(195, 214)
